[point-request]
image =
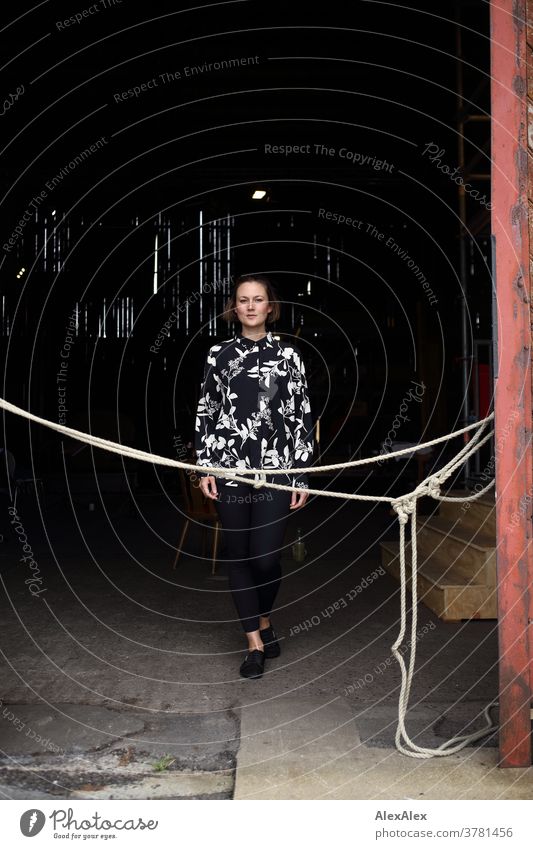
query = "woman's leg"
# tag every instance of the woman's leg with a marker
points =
(234, 509)
(269, 516)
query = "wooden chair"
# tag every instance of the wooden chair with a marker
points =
(197, 509)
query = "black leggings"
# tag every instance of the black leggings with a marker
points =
(254, 523)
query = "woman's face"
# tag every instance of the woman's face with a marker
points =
(252, 305)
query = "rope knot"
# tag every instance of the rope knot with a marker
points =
(262, 479)
(404, 507)
(433, 487)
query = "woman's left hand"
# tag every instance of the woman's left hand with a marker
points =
(299, 498)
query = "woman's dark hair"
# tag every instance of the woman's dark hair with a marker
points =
(229, 308)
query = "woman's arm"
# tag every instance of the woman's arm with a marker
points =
(304, 429)
(209, 405)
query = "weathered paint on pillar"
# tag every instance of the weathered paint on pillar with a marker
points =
(513, 384)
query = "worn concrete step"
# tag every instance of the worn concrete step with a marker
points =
(101, 778)
(471, 551)
(446, 591)
(93, 752)
(480, 513)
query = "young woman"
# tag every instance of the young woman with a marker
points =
(254, 413)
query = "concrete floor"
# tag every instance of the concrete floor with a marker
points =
(121, 661)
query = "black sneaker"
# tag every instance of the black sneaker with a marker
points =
(270, 642)
(253, 664)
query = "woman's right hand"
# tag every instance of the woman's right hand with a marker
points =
(208, 486)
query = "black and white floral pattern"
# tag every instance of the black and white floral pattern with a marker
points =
(254, 410)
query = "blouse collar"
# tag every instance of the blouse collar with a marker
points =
(266, 341)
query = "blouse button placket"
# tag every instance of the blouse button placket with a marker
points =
(259, 390)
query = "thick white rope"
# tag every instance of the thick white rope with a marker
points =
(147, 457)
(405, 507)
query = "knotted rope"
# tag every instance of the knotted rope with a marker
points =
(404, 506)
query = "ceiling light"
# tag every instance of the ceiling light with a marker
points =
(258, 194)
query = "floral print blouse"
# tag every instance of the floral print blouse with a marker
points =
(254, 410)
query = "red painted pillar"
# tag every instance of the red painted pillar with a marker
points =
(513, 375)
